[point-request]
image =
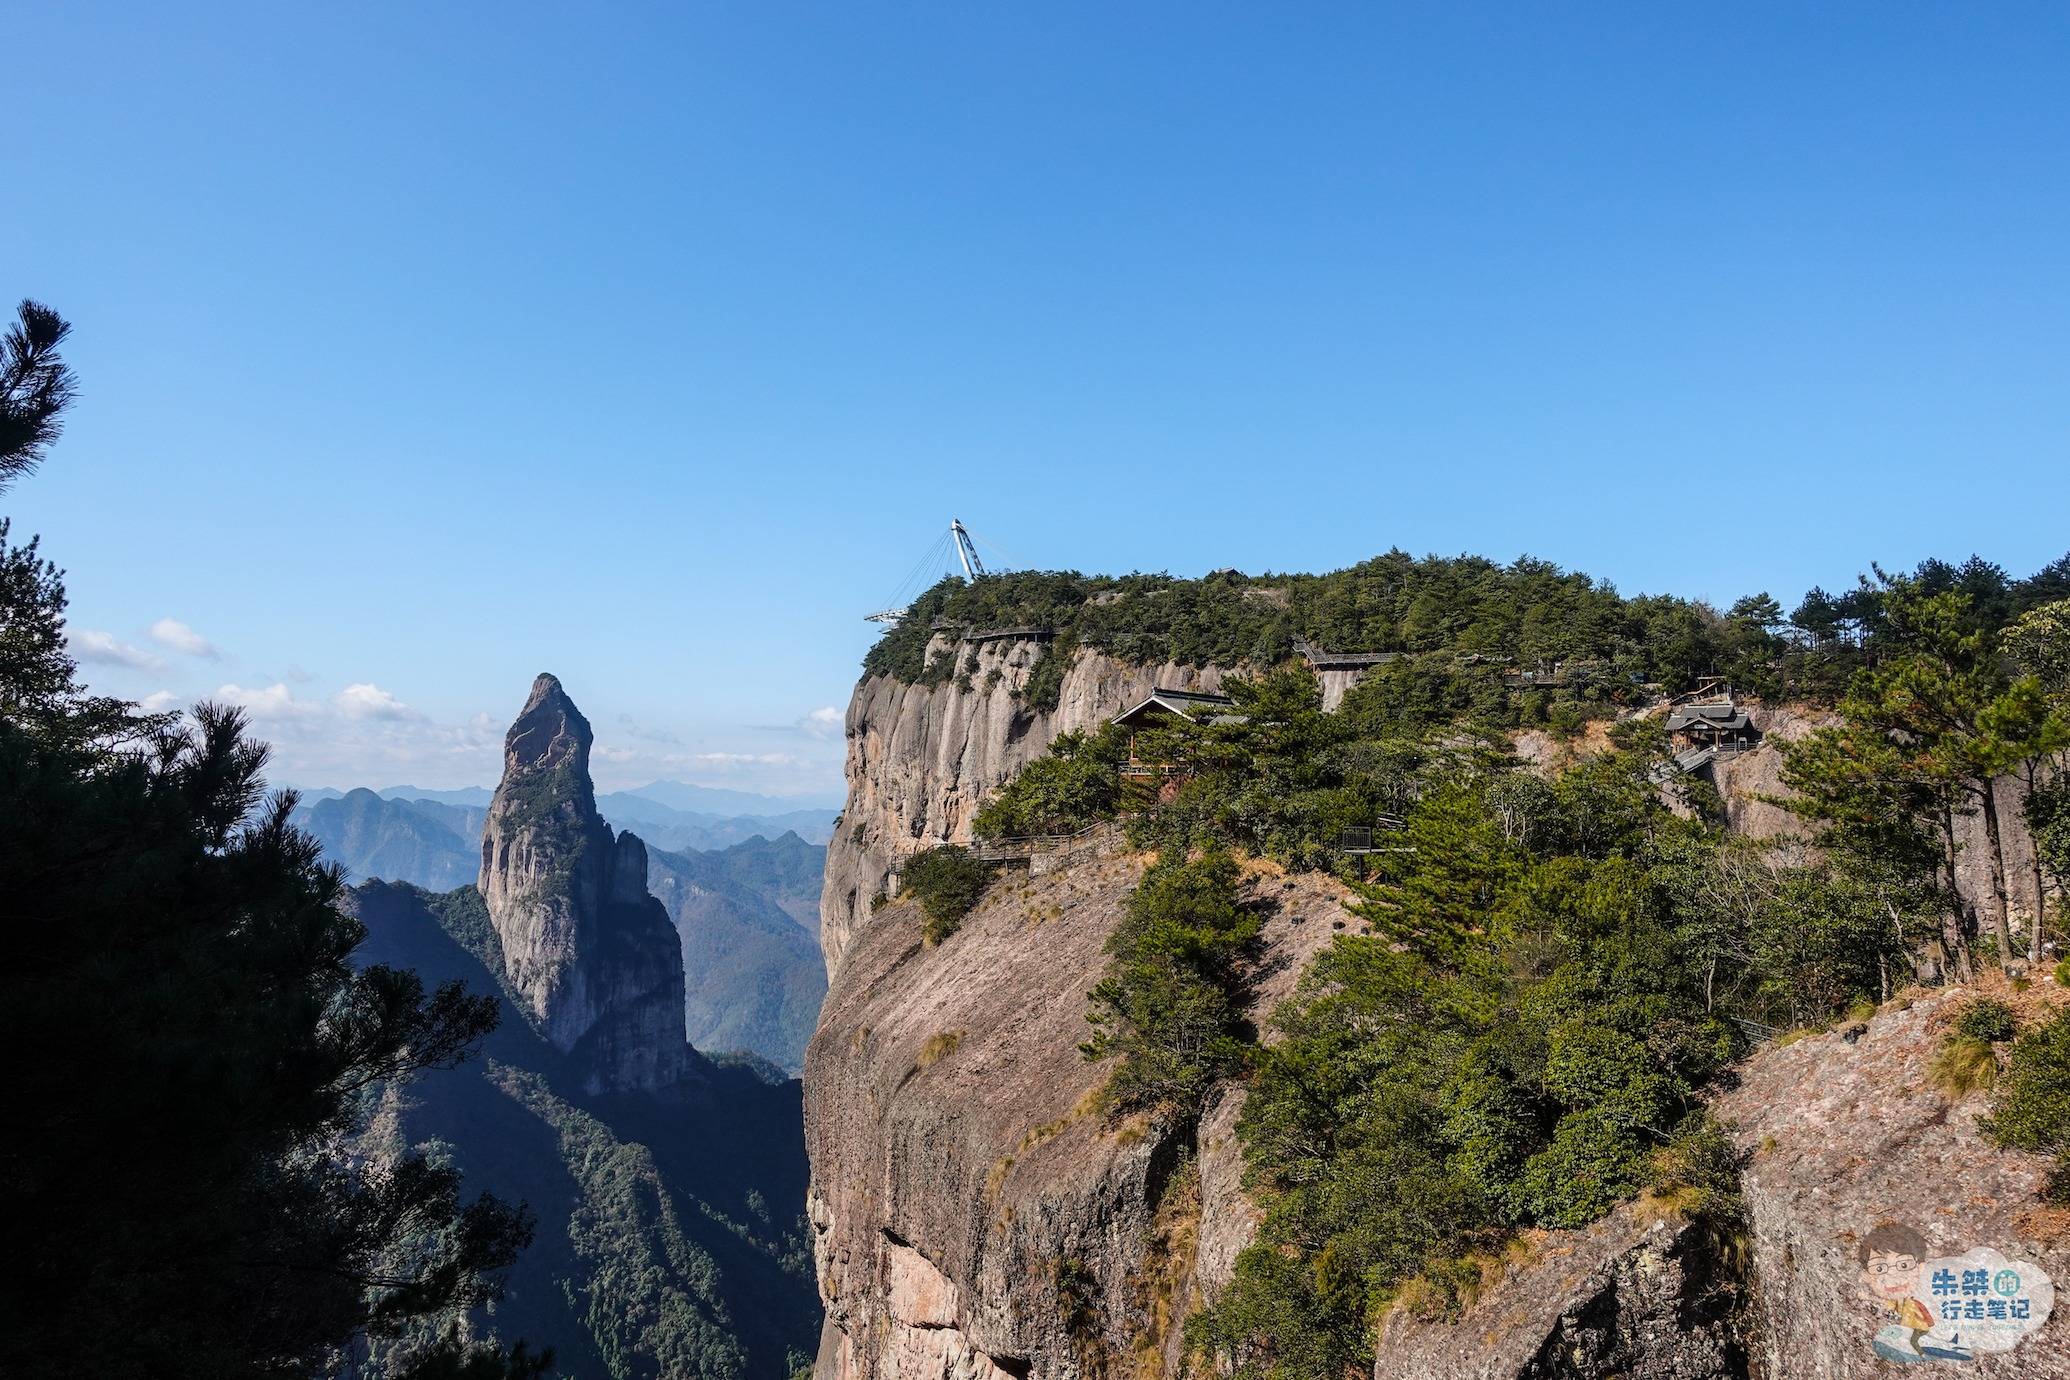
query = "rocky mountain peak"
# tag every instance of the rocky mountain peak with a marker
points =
(594, 956)
(549, 732)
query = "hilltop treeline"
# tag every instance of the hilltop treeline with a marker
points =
(1553, 967)
(1461, 623)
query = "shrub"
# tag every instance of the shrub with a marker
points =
(1074, 784)
(947, 882)
(1985, 1018)
(1045, 683)
(2031, 1109)
(938, 1047)
(1170, 1005)
(1698, 1171)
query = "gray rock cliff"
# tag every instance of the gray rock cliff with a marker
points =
(976, 1218)
(974, 1214)
(592, 955)
(922, 759)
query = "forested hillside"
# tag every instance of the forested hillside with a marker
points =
(753, 975)
(668, 1238)
(1554, 961)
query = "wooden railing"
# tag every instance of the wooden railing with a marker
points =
(1025, 846)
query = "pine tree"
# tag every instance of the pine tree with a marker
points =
(190, 1042)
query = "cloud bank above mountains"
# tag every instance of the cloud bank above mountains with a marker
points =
(367, 733)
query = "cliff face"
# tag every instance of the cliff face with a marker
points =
(922, 759)
(1846, 1131)
(973, 1215)
(975, 1218)
(590, 953)
(1748, 781)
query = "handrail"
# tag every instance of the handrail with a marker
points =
(1026, 844)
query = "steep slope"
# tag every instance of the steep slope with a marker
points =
(591, 955)
(973, 1215)
(753, 977)
(973, 1219)
(463, 820)
(670, 1235)
(921, 757)
(372, 837)
(1841, 1134)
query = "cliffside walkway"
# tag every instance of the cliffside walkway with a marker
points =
(1038, 852)
(1025, 846)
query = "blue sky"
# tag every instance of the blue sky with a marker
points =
(427, 347)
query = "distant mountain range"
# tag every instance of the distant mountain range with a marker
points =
(680, 797)
(753, 977)
(743, 892)
(666, 814)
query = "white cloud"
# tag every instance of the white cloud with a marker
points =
(323, 743)
(171, 632)
(365, 700)
(275, 701)
(89, 645)
(740, 759)
(823, 722)
(158, 702)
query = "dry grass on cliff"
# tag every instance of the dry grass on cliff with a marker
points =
(939, 1046)
(1089, 1103)
(1158, 1288)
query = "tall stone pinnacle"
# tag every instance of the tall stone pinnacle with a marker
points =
(591, 953)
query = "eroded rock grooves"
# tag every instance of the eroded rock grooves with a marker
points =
(921, 759)
(973, 1210)
(592, 955)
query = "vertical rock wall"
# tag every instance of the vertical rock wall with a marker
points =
(922, 759)
(975, 1214)
(591, 953)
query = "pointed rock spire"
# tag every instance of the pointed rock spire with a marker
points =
(593, 955)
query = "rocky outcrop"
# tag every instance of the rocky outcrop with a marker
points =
(1749, 783)
(1644, 1293)
(592, 956)
(975, 1216)
(921, 759)
(1845, 1132)
(974, 1212)
(1839, 1135)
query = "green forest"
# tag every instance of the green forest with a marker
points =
(193, 1037)
(1458, 624)
(1551, 967)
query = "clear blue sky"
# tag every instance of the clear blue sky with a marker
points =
(425, 347)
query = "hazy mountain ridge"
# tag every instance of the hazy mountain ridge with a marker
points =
(753, 976)
(747, 912)
(369, 842)
(637, 1221)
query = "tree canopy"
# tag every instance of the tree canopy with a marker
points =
(191, 1041)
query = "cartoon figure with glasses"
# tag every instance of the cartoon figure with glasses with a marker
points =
(1890, 1257)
